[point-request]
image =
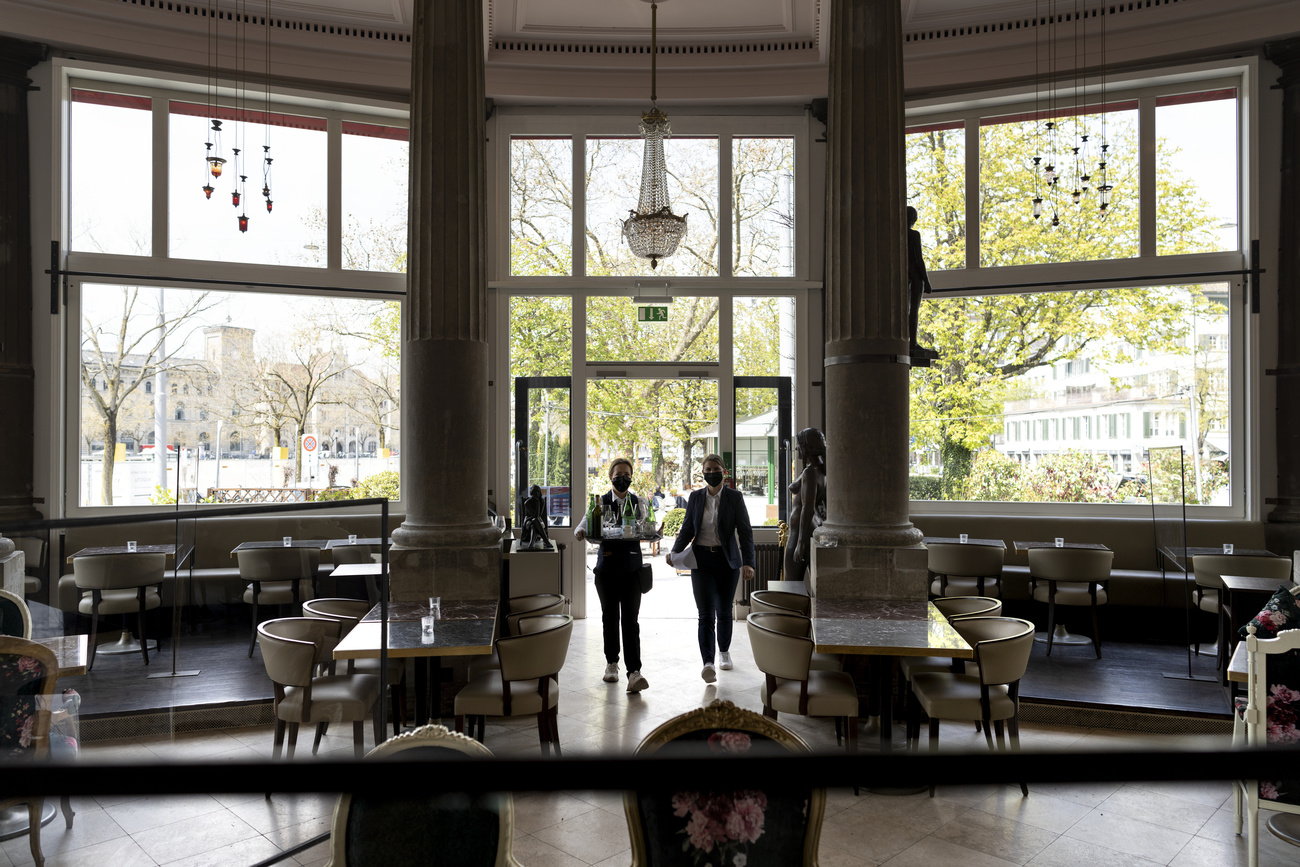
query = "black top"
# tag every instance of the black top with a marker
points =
(616, 555)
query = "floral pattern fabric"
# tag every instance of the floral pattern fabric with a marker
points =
(1281, 612)
(21, 681)
(1282, 711)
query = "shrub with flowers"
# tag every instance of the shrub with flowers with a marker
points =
(721, 825)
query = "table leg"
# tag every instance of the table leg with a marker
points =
(13, 820)
(1285, 826)
(885, 702)
(421, 672)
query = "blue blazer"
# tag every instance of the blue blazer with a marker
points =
(733, 520)
(615, 556)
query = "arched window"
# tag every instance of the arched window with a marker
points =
(148, 387)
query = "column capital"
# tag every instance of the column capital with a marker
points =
(16, 57)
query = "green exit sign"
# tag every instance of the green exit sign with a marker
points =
(652, 314)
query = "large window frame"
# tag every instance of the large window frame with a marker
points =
(1147, 269)
(159, 269)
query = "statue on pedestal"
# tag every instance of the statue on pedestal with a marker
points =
(534, 536)
(918, 284)
(807, 502)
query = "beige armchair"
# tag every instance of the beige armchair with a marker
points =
(953, 608)
(778, 601)
(119, 584)
(965, 570)
(791, 685)
(790, 623)
(518, 607)
(277, 576)
(348, 612)
(1209, 569)
(1070, 576)
(1002, 646)
(526, 682)
(292, 648)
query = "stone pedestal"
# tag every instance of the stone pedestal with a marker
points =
(462, 572)
(869, 572)
(13, 570)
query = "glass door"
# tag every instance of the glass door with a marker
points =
(542, 451)
(760, 467)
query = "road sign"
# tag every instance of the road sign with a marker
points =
(309, 443)
(652, 314)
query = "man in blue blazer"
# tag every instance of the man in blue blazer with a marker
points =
(715, 517)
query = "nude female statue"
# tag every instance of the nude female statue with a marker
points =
(807, 502)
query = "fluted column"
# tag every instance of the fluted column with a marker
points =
(1283, 528)
(445, 363)
(16, 372)
(866, 280)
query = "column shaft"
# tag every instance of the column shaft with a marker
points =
(866, 281)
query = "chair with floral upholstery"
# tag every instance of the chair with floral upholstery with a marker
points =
(780, 825)
(28, 672)
(1270, 711)
(405, 827)
(15, 617)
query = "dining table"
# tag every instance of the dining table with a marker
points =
(331, 544)
(466, 627)
(957, 540)
(884, 629)
(318, 544)
(128, 644)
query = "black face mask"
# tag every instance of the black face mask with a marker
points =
(622, 483)
(713, 479)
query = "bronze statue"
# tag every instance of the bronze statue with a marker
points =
(918, 283)
(534, 536)
(807, 502)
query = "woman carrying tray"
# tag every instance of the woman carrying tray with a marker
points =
(715, 516)
(618, 583)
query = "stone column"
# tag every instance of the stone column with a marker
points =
(16, 372)
(446, 546)
(866, 376)
(1282, 531)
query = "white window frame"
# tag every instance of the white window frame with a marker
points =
(1144, 270)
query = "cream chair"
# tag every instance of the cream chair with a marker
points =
(953, 608)
(277, 576)
(292, 648)
(1070, 576)
(965, 570)
(1002, 646)
(411, 828)
(517, 607)
(790, 623)
(1250, 728)
(778, 601)
(15, 616)
(792, 817)
(1209, 569)
(791, 685)
(526, 682)
(349, 613)
(345, 554)
(119, 584)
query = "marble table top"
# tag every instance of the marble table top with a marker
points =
(452, 609)
(885, 627)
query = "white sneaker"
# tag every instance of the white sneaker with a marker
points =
(611, 673)
(635, 682)
(724, 660)
(708, 673)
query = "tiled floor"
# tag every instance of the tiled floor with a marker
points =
(1134, 824)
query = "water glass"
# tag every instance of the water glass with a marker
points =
(1227, 547)
(435, 607)
(352, 538)
(131, 547)
(426, 628)
(288, 541)
(964, 538)
(1060, 542)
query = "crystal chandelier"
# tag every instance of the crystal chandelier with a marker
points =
(653, 230)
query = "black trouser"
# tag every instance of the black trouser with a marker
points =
(714, 585)
(620, 602)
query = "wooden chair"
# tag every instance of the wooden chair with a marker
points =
(1070, 576)
(965, 570)
(277, 576)
(292, 648)
(782, 823)
(15, 616)
(28, 672)
(119, 584)
(1250, 727)
(410, 828)
(526, 682)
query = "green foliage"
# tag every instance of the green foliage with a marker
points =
(383, 484)
(924, 488)
(162, 496)
(673, 521)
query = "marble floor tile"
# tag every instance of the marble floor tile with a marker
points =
(156, 811)
(591, 837)
(1065, 852)
(537, 810)
(89, 828)
(996, 835)
(1131, 836)
(1149, 805)
(933, 850)
(1039, 810)
(121, 852)
(187, 840)
(535, 853)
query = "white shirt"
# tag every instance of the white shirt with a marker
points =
(707, 536)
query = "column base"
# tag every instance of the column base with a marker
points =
(848, 571)
(461, 572)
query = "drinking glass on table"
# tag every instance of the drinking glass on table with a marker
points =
(1227, 547)
(1060, 542)
(964, 538)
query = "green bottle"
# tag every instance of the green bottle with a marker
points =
(650, 514)
(593, 517)
(629, 513)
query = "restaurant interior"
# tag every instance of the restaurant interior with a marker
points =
(1030, 601)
